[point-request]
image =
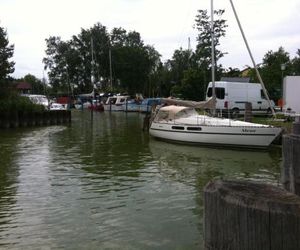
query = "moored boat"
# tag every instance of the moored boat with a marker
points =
(115, 103)
(184, 124)
(148, 103)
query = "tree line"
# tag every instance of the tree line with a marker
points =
(120, 61)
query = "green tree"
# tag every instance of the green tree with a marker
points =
(232, 72)
(6, 52)
(133, 62)
(271, 71)
(192, 71)
(38, 87)
(70, 63)
(296, 64)
(190, 87)
(203, 25)
(180, 62)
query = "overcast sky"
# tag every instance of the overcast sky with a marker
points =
(165, 24)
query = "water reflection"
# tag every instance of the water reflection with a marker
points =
(195, 166)
(9, 172)
(191, 163)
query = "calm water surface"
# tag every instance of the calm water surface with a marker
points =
(107, 185)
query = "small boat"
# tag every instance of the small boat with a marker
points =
(57, 106)
(148, 103)
(96, 106)
(84, 105)
(184, 124)
(115, 103)
(144, 106)
(132, 106)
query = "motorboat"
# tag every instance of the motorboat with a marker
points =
(96, 106)
(148, 103)
(132, 106)
(144, 106)
(57, 106)
(115, 103)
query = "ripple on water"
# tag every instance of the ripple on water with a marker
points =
(110, 186)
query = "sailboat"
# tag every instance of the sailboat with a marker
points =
(180, 122)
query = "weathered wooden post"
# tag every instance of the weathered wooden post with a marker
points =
(38, 119)
(250, 216)
(291, 159)
(248, 112)
(14, 119)
(60, 116)
(30, 118)
(53, 117)
(4, 120)
(69, 116)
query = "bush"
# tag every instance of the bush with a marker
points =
(11, 101)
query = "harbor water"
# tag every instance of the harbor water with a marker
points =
(103, 183)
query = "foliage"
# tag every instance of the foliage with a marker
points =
(38, 87)
(73, 63)
(190, 71)
(203, 25)
(271, 72)
(295, 67)
(232, 72)
(6, 52)
(11, 101)
(190, 87)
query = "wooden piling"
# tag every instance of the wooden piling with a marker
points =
(290, 174)
(250, 216)
(248, 112)
(24, 118)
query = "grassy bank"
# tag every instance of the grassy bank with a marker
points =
(280, 121)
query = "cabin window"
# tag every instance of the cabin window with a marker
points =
(178, 127)
(194, 128)
(162, 116)
(112, 100)
(220, 93)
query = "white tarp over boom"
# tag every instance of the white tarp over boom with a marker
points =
(209, 104)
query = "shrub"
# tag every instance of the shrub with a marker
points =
(11, 101)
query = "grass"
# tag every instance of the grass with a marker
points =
(280, 121)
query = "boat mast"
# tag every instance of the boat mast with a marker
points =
(213, 55)
(252, 59)
(110, 69)
(92, 68)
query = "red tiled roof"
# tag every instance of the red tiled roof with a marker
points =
(23, 85)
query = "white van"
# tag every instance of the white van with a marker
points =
(232, 96)
(291, 91)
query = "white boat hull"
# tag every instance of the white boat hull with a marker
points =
(113, 107)
(238, 136)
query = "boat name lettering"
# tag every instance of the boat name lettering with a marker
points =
(245, 130)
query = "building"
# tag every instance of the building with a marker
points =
(23, 87)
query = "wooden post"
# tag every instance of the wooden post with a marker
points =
(250, 216)
(248, 112)
(290, 173)
(14, 119)
(5, 120)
